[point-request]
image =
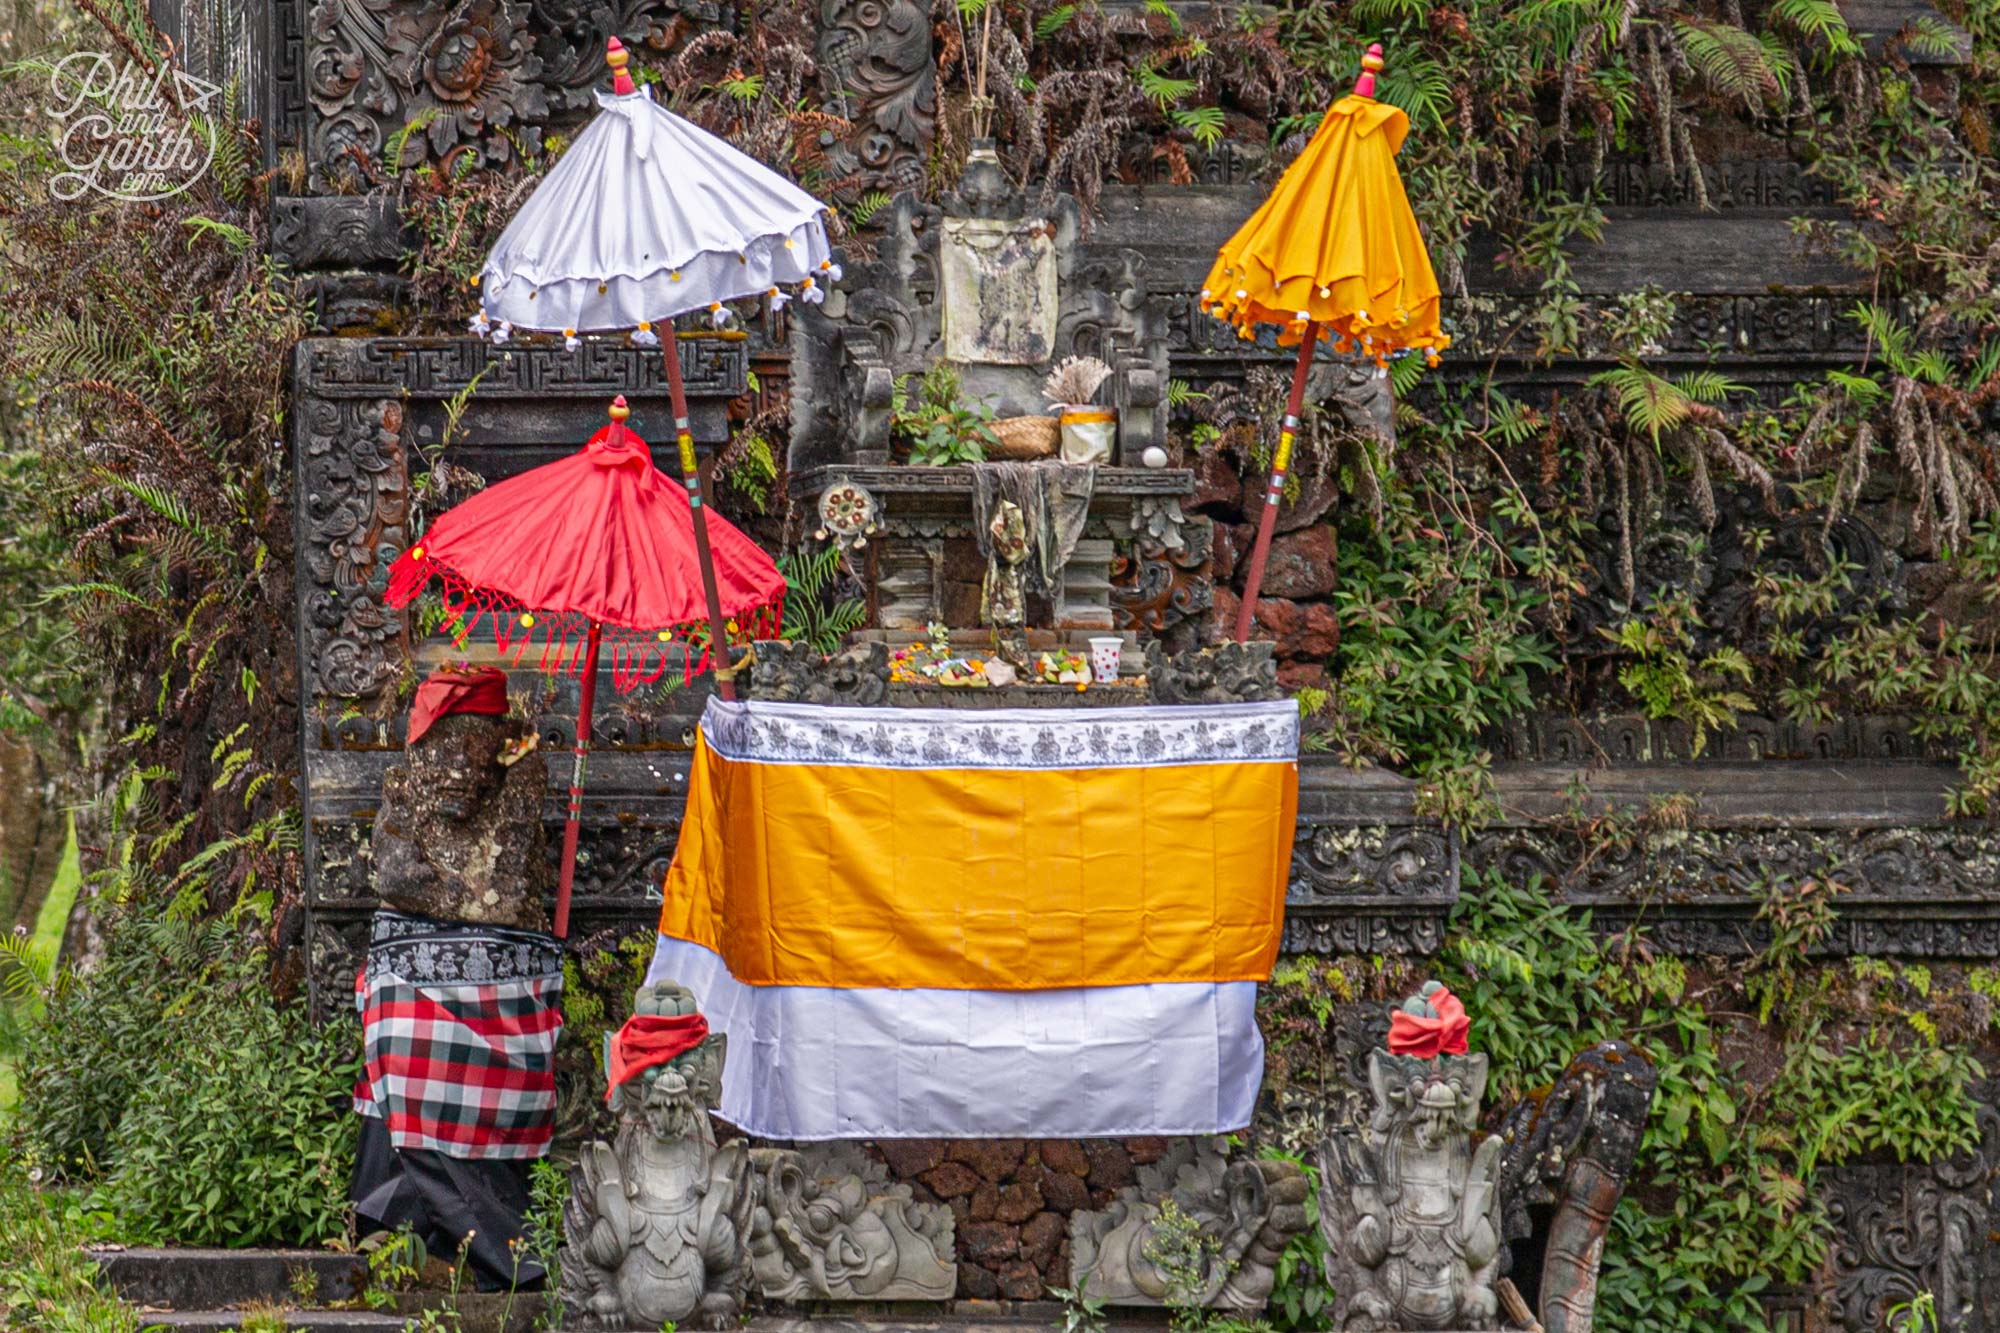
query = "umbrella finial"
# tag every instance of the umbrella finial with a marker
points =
(618, 410)
(616, 56)
(1371, 65)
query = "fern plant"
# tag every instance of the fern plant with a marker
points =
(814, 613)
(1652, 404)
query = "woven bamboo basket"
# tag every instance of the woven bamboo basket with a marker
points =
(1023, 439)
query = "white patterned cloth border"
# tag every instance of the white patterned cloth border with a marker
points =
(1012, 738)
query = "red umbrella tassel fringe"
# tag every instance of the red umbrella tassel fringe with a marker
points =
(638, 656)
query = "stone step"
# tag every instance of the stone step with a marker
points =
(961, 1317)
(296, 1321)
(173, 1279)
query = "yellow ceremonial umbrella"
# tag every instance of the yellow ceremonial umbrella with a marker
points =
(1335, 247)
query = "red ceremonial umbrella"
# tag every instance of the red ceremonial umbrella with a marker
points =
(592, 548)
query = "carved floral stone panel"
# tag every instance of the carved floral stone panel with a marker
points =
(879, 73)
(486, 79)
(353, 500)
(419, 77)
(1904, 1229)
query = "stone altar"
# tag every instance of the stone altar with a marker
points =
(1370, 873)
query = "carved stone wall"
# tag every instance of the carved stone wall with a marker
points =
(1856, 801)
(491, 77)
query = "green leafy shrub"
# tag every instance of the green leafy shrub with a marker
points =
(1437, 645)
(931, 416)
(1530, 970)
(202, 1109)
(242, 1137)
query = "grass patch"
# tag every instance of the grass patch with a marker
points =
(45, 942)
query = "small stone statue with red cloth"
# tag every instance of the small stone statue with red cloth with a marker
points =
(459, 833)
(460, 999)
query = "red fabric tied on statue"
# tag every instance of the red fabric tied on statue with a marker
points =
(1420, 1035)
(652, 1039)
(481, 690)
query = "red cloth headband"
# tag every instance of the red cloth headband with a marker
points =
(651, 1039)
(481, 690)
(1422, 1035)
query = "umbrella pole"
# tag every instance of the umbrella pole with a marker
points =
(718, 627)
(587, 697)
(1280, 461)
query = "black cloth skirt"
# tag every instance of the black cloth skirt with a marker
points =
(442, 1199)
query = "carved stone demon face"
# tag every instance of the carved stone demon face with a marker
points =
(1436, 1100)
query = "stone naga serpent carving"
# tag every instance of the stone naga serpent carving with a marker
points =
(1571, 1148)
(831, 1225)
(1199, 1229)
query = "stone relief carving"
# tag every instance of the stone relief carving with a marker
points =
(1408, 1207)
(465, 75)
(889, 322)
(350, 301)
(830, 1224)
(441, 367)
(353, 504)
(878, 72)
(340, 231)
(570, 37)
(1951, 863)
(1336, 862)
(800, 673)
(1235, 1217)
(1226, 673)
(657, 1220)
(1228, 162)
(477, 77)
(1627, 738)
(1320, 930)
(1903, 1229)
(1162, 581)
(1571, 1151)
(1727, 183)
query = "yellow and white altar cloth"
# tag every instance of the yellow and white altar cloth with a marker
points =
(971, 923)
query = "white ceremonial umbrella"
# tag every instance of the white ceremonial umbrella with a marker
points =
(644, 218)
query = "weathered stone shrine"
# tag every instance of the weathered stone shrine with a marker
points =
(1857, 798)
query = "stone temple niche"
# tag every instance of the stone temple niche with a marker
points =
(1003, 286)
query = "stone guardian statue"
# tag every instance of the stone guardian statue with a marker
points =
(657, 1225)
(1409, 1208)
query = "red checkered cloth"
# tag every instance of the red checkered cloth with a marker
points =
(459, 1024)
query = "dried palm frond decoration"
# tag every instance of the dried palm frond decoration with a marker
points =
(1075, 382)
